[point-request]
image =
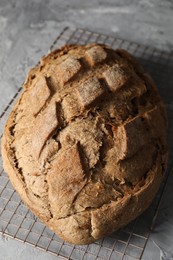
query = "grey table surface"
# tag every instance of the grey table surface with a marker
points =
(28, 28)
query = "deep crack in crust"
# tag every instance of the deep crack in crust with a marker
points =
(85, 145)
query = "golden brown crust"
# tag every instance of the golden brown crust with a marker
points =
(86, 141)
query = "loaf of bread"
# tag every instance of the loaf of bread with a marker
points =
(85, 145)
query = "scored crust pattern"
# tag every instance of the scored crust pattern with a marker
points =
(85, 145)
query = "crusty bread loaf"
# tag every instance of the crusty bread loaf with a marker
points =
(85, 145)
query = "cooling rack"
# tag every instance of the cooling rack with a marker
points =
(129, 243)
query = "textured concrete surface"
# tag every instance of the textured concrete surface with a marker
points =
(27, 29)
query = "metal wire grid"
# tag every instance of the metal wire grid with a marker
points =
(128, 243)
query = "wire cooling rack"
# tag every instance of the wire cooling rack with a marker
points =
(128, 243)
